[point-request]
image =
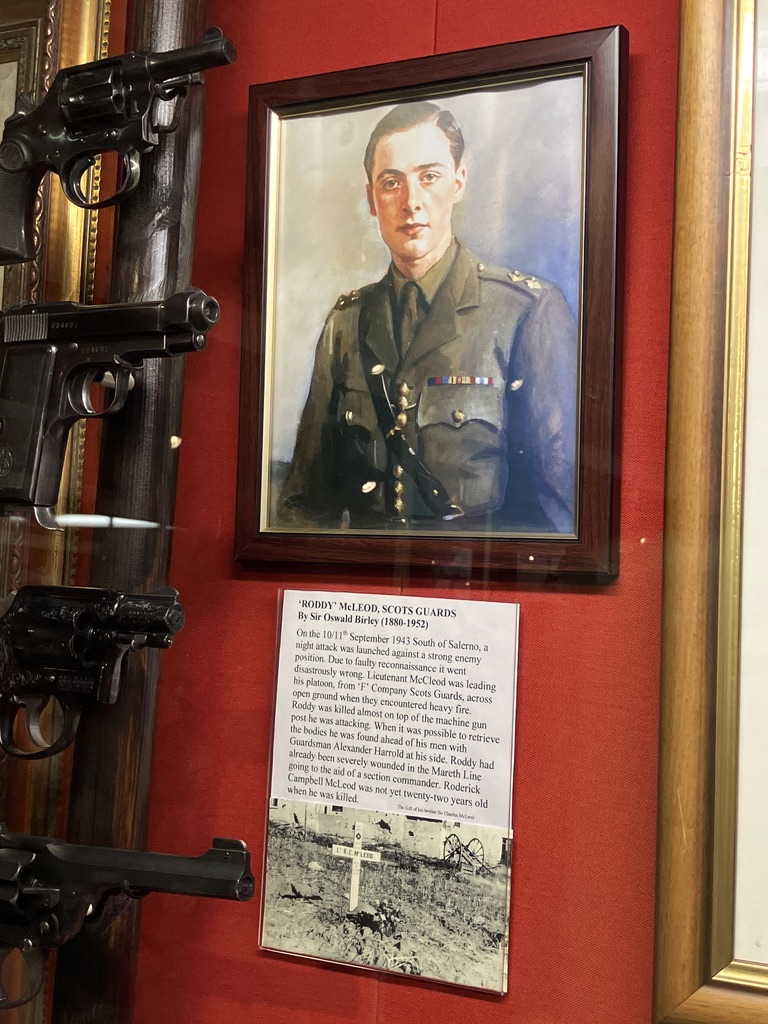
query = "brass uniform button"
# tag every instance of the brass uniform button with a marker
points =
(369, 486)
(404, 389)
(399, 488)
(458, 416)
(397, 472)
(402, 419)
(402, 402)
(399, 505)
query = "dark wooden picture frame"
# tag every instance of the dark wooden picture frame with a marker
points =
(585, 548)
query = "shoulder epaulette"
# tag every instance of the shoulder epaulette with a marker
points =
(348, 300)
(525, 282)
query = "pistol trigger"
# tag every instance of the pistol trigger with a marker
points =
(35, 707)
(124, 381)
(71, 176)
(130, 176)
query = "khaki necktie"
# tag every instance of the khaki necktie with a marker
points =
(410, 318)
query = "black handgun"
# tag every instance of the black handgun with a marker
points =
(108, 105)
(67, 644)
(50, 890)
(51, 355)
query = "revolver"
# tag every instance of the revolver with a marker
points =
(108, 105)
(67, 644)
(51, 355)
(50, 890)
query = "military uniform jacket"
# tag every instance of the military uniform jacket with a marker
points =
(486, 397)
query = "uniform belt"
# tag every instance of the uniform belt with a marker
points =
(435, 496)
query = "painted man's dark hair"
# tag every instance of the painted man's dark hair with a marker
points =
(408, 115)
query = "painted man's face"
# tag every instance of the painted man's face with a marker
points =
(413, 189)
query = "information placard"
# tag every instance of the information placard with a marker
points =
(393, 745)
(404, 705)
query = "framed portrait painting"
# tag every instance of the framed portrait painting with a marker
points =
(431, 305)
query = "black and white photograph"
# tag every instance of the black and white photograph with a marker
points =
(392, 892)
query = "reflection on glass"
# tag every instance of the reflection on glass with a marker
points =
(9, 75)
(751, 907)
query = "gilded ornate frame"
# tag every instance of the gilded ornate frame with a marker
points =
(697, 979)
(44, 35)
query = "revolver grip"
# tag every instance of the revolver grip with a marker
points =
(18, 191)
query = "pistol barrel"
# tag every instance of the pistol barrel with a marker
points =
(224, 872)
(190, 312)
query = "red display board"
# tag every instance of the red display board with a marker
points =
(585, 764)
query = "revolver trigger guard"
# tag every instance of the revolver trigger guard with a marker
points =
(73, 171)
(35, 961)
(35, 706)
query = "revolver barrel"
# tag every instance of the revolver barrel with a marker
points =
(214, 51)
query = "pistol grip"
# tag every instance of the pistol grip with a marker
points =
(31, 454)
(18, 191)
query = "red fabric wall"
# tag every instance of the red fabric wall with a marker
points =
(585, 775)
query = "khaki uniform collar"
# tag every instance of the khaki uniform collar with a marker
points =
(430, 282)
